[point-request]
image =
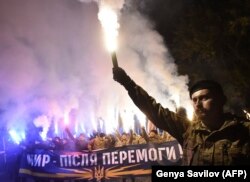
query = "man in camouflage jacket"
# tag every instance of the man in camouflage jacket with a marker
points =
(214, 138)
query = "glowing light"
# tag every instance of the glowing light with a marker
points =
(101, 124)
(22, 135)
(43, 135)
(76, 127)
(93, 121)
(112, 121)
(56, 127)
(15, 137)
(190, 112)
(66, 118)
(82, 127)
(247, 114)
(188, 107)
(142, 118)
(44, 122)
(109, 22)
(128, 120)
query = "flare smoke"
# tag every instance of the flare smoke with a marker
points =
(53, 61)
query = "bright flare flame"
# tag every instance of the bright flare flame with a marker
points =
(190, 113)
(111, 121)
(188, 107)
(247, 114)
(17, 137)
(56, 127)
(66, 118)
(109, 21)
(142, 118)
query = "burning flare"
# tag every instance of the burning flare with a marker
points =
(109, 22)
(247, 114)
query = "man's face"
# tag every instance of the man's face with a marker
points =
(206, 104)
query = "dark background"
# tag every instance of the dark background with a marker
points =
(208, 39)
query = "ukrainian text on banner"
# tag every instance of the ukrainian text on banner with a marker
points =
(135, 160)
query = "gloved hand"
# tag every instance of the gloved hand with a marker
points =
(121, 76)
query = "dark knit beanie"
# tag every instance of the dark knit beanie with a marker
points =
(206, 84)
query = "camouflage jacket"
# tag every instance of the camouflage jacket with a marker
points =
(229, 145)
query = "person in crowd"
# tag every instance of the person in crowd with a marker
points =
(152, 136)
(121, 139)
(58, 144)
(98, 142)
(136, 139)
(110, 141)
(81, 142)
(166, 137)
(214, 138)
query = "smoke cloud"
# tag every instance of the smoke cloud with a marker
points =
(53, 61)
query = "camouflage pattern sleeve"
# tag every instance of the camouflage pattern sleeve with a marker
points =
(162, 118)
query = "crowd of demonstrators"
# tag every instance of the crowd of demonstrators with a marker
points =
(100, 140)
(96, 141)
(82, 142)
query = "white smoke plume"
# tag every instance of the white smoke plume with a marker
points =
(53, 61)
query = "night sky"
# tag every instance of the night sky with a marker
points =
(208, 40)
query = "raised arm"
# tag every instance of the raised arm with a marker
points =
(144, 134)
(162, 118)
(70, 134)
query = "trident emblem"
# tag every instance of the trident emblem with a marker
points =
(99, 173)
